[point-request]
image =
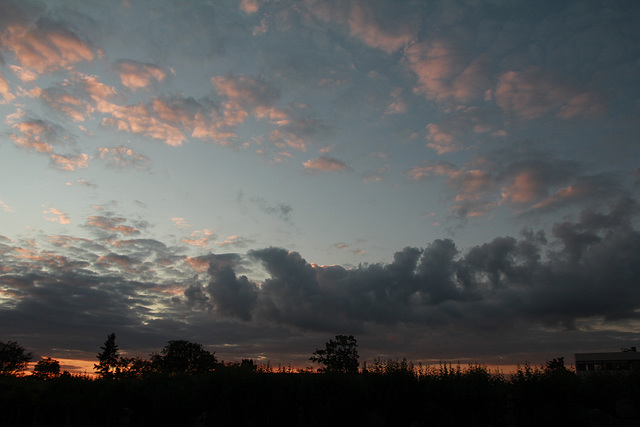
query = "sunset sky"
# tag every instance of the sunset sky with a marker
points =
(445, 180)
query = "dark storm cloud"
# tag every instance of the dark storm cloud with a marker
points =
(233, 296)
(589, 268)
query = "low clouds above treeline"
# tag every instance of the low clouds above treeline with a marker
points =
(583, 269)
(586, 269)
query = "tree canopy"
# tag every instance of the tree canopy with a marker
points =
(13, 358)
(108, 360)
(46, 368)
(181, 356)
(340, 355)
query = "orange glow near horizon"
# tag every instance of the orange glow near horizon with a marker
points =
(85, 367)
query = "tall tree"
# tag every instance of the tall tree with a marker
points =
(180, 356)
(46, 368)
(108, 360)
(13, 358)
(340, 355)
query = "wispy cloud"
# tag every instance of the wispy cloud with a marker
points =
(201, 238)
(43, 47)
(58, 216)
(180, 222)
(5, 90)
(325, 164)
(532, 93)
(137, 75)
(111, 223)
(123, 157)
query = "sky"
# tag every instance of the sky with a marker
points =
(444, 180)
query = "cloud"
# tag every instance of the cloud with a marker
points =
(376, 30)
(24, 74)
(280, 210)
(233, 241)
(532, 93)
(387, 29)
(58, 216)
(250, 6)
(83, 183)
(111, 223)
(199, 238)
(325, 164)
(123, 157)
(69, 162)
(232, 295)
(443, 74)
(5, 90)
(493, 285)
(45, 46)
(180, 222)
(524, 181)
(137, 75)
(464, 126)
(35, 134)
(6, 207)
(515, 287)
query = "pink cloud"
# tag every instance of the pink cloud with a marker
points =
(111, 224)
(180, 222)
(442, 74)
(45, 49)
(58, 216)
(137, 119)
(24, 74)
(33, 133)
(532, 93)
(366, 23)
(69, 162)
(526, 187)
(250, 6)
(440, 140)
(5, 90)
(138, 75)
(5, 207)
(325, 164)
(199, 238)
(124, 157)
(364, 26)
(397, 104)
(473, 187)
(230, 241)
(198, 264)
(449, 135)
(245, 90)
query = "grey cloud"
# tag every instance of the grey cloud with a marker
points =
(232, 295)
(589, 269)
(280, 210)
(511, 290)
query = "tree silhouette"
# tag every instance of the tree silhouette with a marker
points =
(108, 361)
(180, 356)
(13, 358)
(340, 355)
(134, 367)
(46, 368)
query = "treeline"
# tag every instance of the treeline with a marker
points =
(387, 393)
(205, 392)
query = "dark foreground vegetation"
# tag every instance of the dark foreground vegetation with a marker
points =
(389, 393)
(185, 385)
